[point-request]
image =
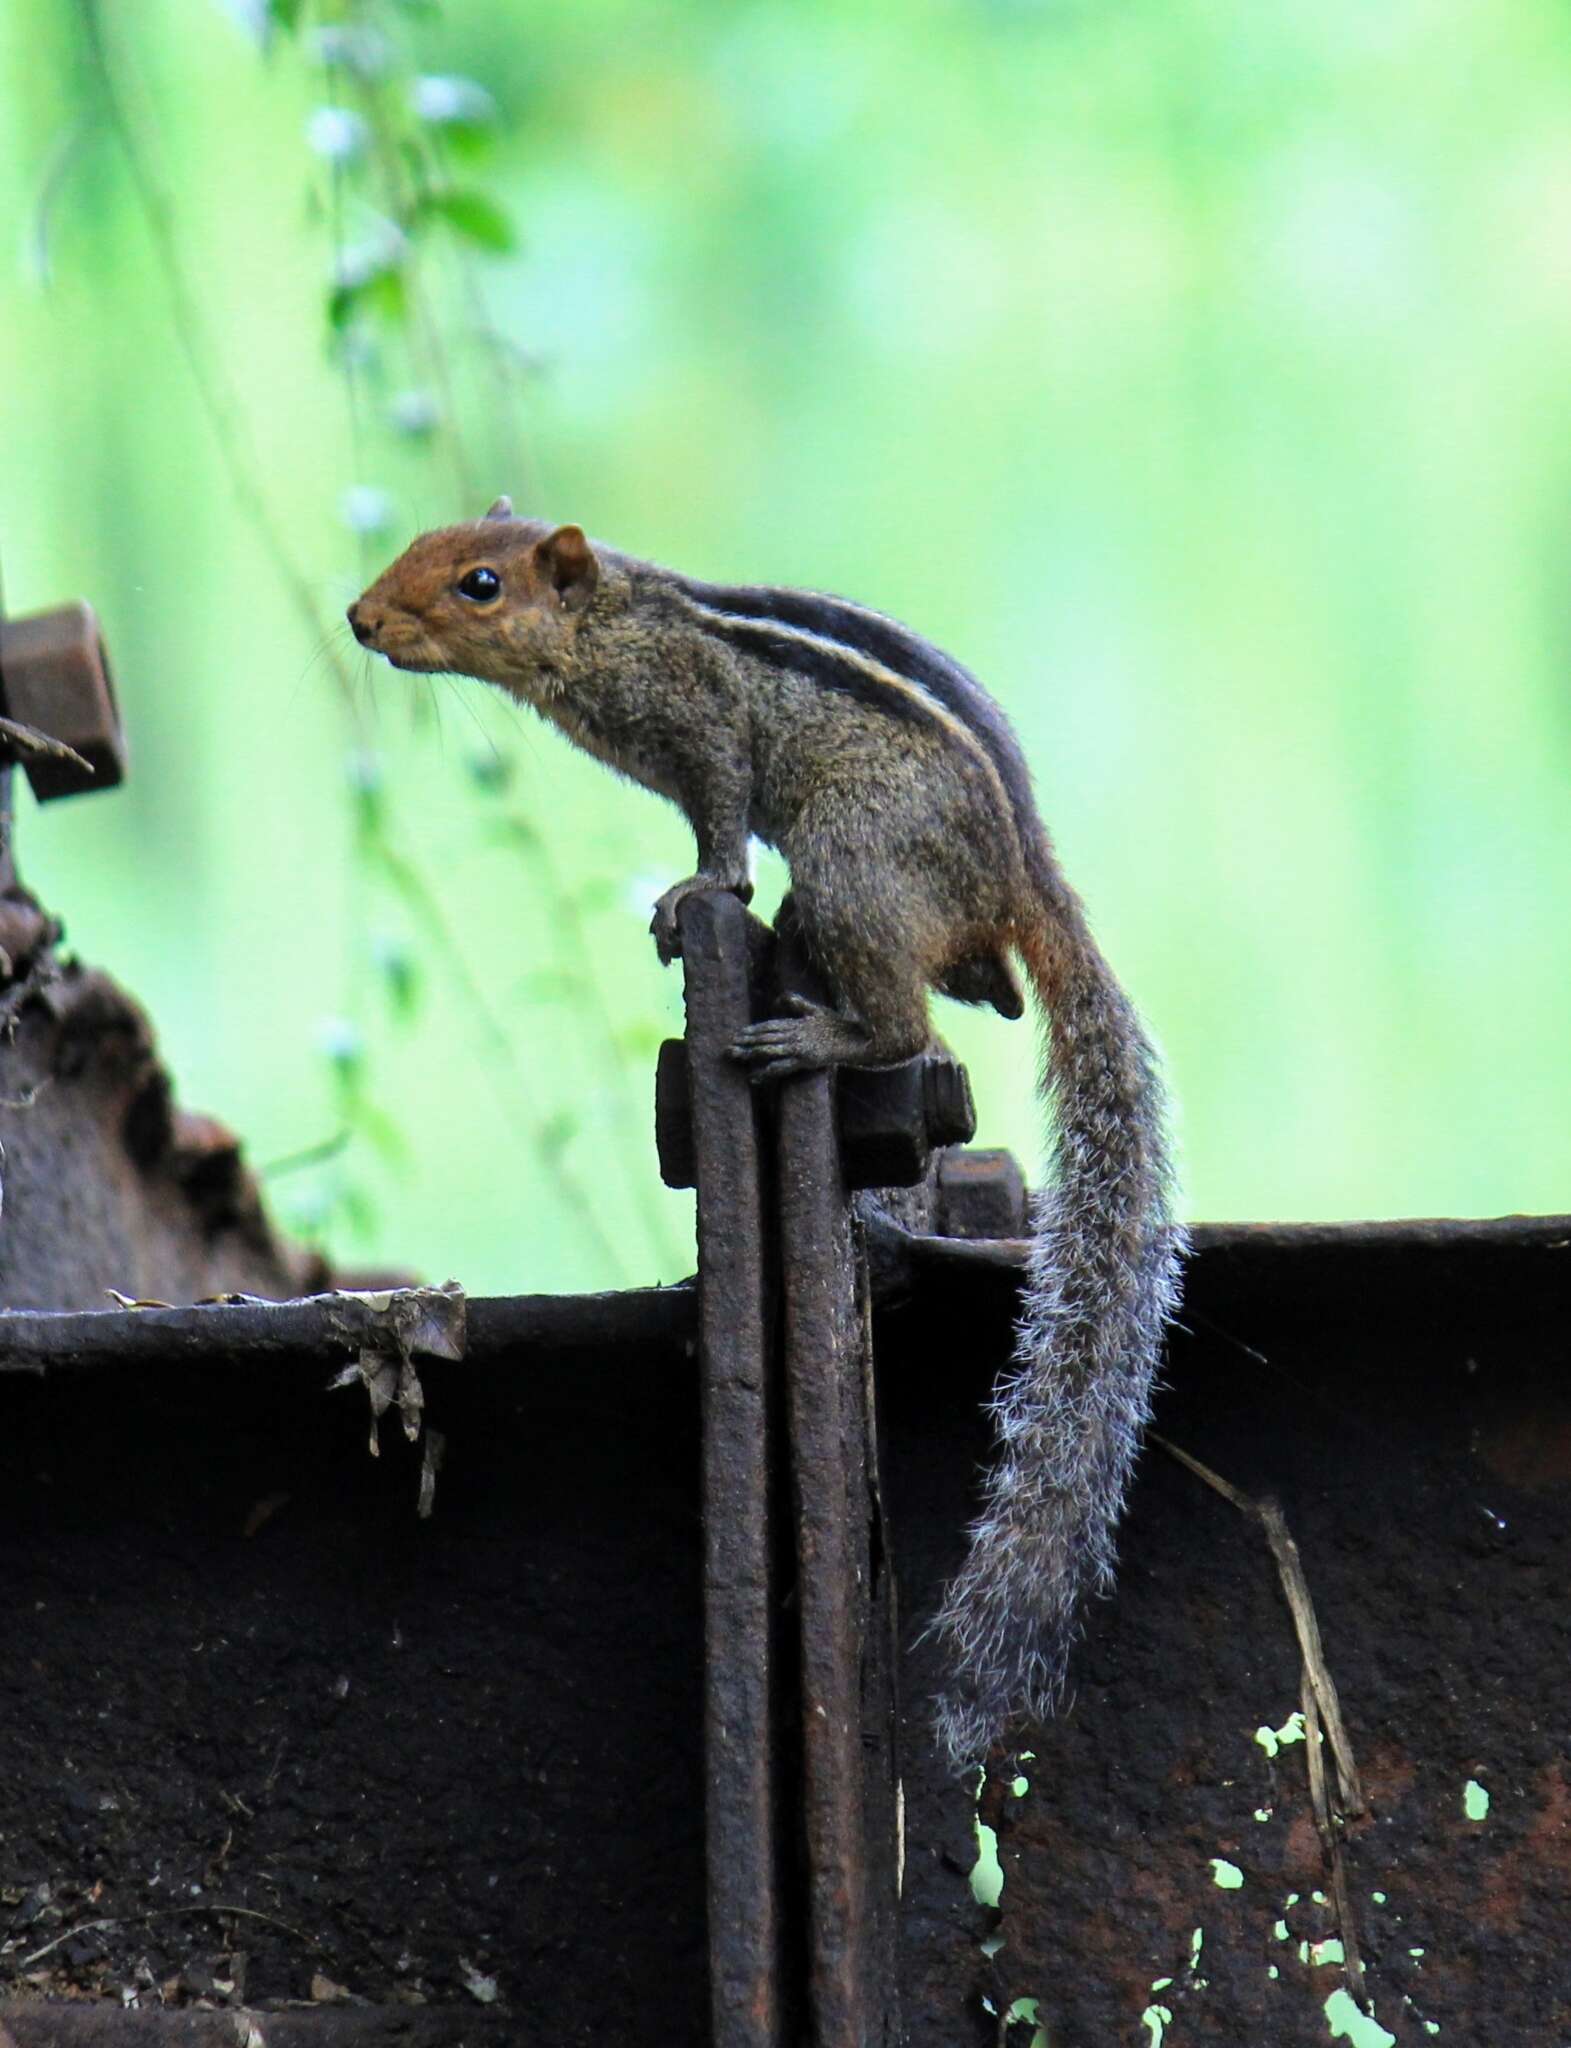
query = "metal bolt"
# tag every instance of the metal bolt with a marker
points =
(54, 677)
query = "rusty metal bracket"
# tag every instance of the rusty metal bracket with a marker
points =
(740, 1741)
(55, 680)
(58, 714)
(800, 1718)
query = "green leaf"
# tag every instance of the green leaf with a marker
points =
(383, 294)
(471, 214)
(468, 142)
(284, 14)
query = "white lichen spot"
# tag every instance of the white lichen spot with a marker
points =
(1280, 1930)
(1359, 2029)
(1415, 1953)
(1228, 1876)
(1328, 1951)
(1019, 1787)
(1431, 2026)
(1378, 1897)
(1272, 1970)
(1262, 1813)
(1160, 1983)
(1475, 1800)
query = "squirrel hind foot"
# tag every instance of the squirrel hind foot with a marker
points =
(778, 1047)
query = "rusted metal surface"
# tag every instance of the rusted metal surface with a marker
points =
(33, 2024)
(742, 1795)
(238, 1671)
(330, 1326)
(674, 1116)
(54, 677)
(847, 1790)
(107, 1184)
(979, 1194)
(1399, 1391)
(891, 1120)
(426, 1320)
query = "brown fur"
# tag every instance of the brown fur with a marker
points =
(898, 796)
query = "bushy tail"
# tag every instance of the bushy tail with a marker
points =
(1101, 1284)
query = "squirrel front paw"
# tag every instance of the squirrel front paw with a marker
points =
(662, 926)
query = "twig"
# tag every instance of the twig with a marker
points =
(32, 741)
(1321, 1709)
(1295, 1587)
(165, 1913)
(1331, 1843)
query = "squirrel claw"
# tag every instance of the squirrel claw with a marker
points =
(663, 926)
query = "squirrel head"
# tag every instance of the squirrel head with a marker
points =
(500, 598)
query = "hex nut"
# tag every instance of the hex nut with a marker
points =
(54, 674)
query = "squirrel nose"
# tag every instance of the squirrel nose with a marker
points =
(360, 625)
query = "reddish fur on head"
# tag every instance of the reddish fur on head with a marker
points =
(416, 614)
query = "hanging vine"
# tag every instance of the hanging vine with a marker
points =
(395, 165)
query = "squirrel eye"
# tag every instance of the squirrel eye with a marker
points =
(480, 586)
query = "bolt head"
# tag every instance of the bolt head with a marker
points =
(54, 674)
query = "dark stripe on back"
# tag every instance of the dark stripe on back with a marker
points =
(817, 664)
(884, 640)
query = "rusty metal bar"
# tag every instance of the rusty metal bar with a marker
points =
(38, 1340)
(847, 1790)
(740, 1741)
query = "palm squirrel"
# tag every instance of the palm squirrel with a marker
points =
(900, 798)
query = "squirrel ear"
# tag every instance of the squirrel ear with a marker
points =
(502, 509)
(567, 562)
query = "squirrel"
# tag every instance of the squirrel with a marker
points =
(900, 798)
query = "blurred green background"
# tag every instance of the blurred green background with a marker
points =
(1197, 372)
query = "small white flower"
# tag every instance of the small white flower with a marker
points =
(363, 771)
(383, 249)
(339, 1040)
(414, 412)
(365, 509)
(446, 100)
(252, 15)
(337, 133)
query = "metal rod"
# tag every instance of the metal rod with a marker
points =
(739, 1736)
